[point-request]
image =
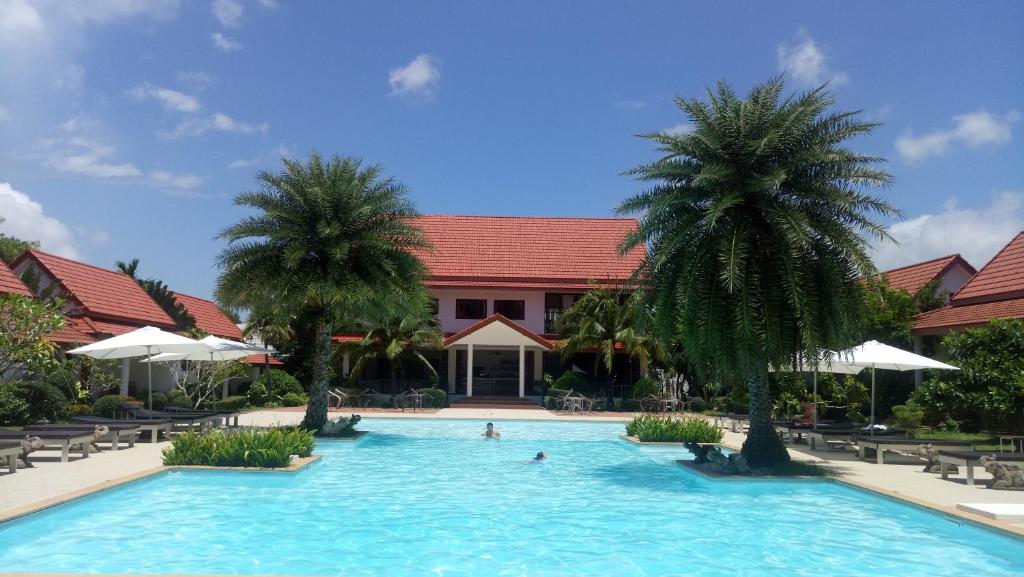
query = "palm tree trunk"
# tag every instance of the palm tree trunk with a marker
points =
(316, 412)
(610, 401)
(763, 447)
(266, 368)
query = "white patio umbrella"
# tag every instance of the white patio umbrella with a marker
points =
(140, 343)
(876, 355)
(217, 349)
(829, 363)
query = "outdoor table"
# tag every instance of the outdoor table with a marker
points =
(573, 404)
(371, 400)
(1014, 441)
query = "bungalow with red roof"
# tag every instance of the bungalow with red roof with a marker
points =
(499, 284)
(996, 291)
(948, 273)
(211, 320)
(66, 335)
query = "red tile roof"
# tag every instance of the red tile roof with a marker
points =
(10, 283)
(209, 317)
(102, 293)
(498, 317)
(69, 335)
(913, 277)
(526, 252)
(258, 360)
(1002, 278)
(969, 315)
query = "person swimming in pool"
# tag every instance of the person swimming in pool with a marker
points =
(490, 433)
(541, 456)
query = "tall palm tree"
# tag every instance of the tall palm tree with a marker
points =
(601, 320)
(395, 337)
(756, 223)
(326, 237)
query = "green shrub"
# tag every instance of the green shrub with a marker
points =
(696, 404)
(14, 409)
(294, 399)
(265, 448)
(77, 410)
(644, 388)
(232, 403)
(178, 398)
(661, 429)
(907, 417)
(159, 401)
(281, 383)
(569, 380)
(257, 394)
(110, 406)
(438, 397)
(45, 401)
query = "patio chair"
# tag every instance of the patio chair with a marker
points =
(154, 426)
(337, 395)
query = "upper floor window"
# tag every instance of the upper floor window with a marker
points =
(514, 310)
(470, 308)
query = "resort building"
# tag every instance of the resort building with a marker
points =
(65, 336)
(500, 283)
(946, 274)
(996, 291)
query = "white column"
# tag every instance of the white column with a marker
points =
(469, 371)
(452, 354)
(522, 370)
(345, 360)
(125, 375)
(538, 366)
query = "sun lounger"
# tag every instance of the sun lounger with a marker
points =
(9, 452)
(64, 439)
(187, 420)
(154, 426)
(881, 444)
(825, 435)
(972, 459)
(735, 422)
(115, 431)
(226, 415)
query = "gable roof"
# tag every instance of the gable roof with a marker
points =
(912, 278)
(1001, 278)
(501, 319)
(209, 317)
(968, 315)
(10, 283)
(526, 252)
(100, 292)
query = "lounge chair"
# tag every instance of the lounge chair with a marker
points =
(180, 418)
(735, 422)
(884, 443)
(64, 439)
(115, 431)
(154, 426)
(228, 416)
(825, 435)
(972, 459)
(9, 453)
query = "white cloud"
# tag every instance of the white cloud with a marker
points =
(242, 163)
(4, 115)
(17, 16)
(420, 77)
(104, 11)
(806, 63)
(976, 233)
(225, 43)
(270, 4)
(630, 104)
(171, 99)
(227, 12)
(680, 129)
(165, 179)
(195, 79)
(975, 129)
(24, 218)
(79, 155)
(219, 121)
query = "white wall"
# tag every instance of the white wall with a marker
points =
(446, 298)
(954, 279)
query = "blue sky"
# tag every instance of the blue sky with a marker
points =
(127, 126)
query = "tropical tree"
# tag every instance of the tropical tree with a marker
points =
(11, 247)
(161, 294)
(757, 225)
(269, 326)
(601, 320)
(327, 236)
(27, 322)
(397, 337)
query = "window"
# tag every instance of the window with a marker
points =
(515, 310)
(470, 308)
(554, 304)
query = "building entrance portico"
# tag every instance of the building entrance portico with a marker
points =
(495, 357)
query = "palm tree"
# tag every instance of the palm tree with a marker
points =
(601, 320)
(327, 237)
(395, 337)
(269, 326)
(756, 223)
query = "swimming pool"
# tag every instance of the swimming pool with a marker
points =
(431, 498)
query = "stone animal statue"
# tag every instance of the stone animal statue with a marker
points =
(340, 427)
(28, 445)
(930, 454)
(731, 464)
(100, 431)
(1004, 477)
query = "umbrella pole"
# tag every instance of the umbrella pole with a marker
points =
(814, 401)
(872, 399)
(149, 377)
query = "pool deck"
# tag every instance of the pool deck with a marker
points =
(52, 482)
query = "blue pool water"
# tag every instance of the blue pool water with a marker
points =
(431, 498)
